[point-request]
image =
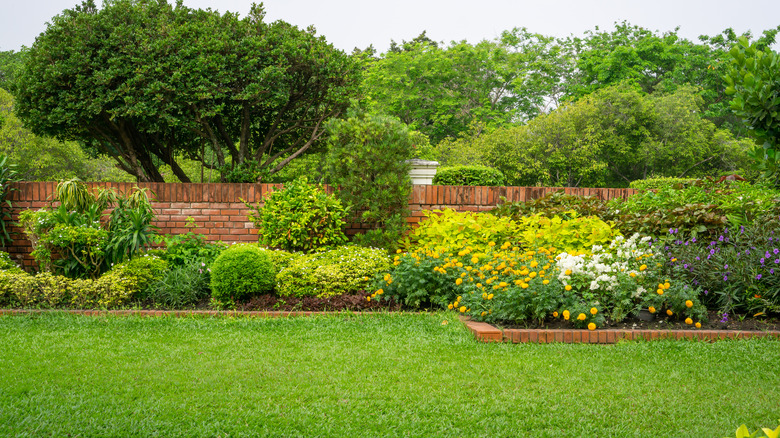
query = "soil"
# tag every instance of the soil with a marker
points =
(356, 302)
(714, 322)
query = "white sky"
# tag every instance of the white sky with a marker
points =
(357, 23)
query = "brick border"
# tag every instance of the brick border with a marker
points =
(489, 333)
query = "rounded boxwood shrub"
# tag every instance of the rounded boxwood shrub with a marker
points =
(469, 176)
(241, 271)
(300, 217)
(334, 272)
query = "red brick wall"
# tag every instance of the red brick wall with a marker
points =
(220, 214)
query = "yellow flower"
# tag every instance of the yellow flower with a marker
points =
(632, 274)
(387, 277)
(398, 251)
(669, 312)
(581, 317)
(380, 291)
(593, 311)
(483, 313)
(660, 286)
(532, 274)
(368, 298)
(518, 282)
(698, 325)
(484, 295)
(568, 287)
(459, 298)
(490, 296)
(390, 281)
(459, 281)
(524, 285)
(651, 309)
(660, 291)
(566, 315)
(474, 259)
(491, 243)
(643, 267)
(591, 326)
(449, 306)
(479, 285)
(502, 284)
(555, 314)
(568, 272)
(688, 303)
(534, 264)
(462, 309)
(667, 285)
(545, 281)
(688, 321)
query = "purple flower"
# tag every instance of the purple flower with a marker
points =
(758, 277)
(725, 266)
(712, 251)
(725, 278)
(725, 317)
(741, 229)
(772, 271)
(697, 258)
(706, 292)
(775, 251)
(777, 260)
(762, 260)
(693, 240)
(685, 266)
(767, 255)
(720, 238)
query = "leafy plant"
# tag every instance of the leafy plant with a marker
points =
(660, 182)
(468, 176)
(8, 175)
(189, 248)
(554, 204)
(366, 160)
(744, 432)
(334, 272)
(449, 231)
(239, 272)
(570, 233)
(300, 217)
(181, 286)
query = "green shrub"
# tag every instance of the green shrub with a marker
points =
(554, 204)
(661, 182)
(239, 272)
(447, 231)
(367, 160)
(8, 175)
(300, 217)
(181, 286)
(20, 289)
(6, 264)
(469, 176)
(334, 272)
(570, 233)
(189, 248)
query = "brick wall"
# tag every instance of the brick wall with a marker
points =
(220, 214)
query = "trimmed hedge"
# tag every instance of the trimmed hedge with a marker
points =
(469, 176)
(241, 271)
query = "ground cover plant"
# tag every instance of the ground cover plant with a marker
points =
(360, 375)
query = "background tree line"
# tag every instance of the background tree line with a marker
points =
(166, 92)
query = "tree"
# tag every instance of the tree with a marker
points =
(753, 79)
(46, 159)
(144, 81)
(609, 138)
(367, 160)
(442, 91)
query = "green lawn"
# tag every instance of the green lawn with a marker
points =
(382, 375)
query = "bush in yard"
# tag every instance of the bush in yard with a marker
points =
(469, 176)
(6, 264)
(554, 204)
(661, 182)
(239, 272)
(180, 287)
(188, 248)
(300, 217)
(447, 231)
(569, 233)
(367, 160)
(334, 272)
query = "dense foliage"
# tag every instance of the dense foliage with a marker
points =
(468, 176)
(300, 217)
(142, 80)
(366, 160)
(240, 272)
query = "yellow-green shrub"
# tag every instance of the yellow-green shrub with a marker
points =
(570, 233)
(447, 230)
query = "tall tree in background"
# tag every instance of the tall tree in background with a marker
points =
(143, 81)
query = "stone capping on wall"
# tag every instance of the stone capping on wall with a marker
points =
(220, 214)
(489, 333)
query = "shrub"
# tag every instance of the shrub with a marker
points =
(738, 268)
(554, 204)
(181, 286)
(450, 231)
(569, 233)
(300, 217)
(241, 271)
(334, 272)
(8, 175)
(6, 264)
(189, 248)
(367, 160)
(117, 287)
(469, 176)
(661, 182)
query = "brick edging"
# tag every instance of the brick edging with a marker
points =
(173, 313)
(489, 333)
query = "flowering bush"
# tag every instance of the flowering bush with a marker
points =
(737, 270)
(625, 277)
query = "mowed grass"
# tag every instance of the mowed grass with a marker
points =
(366, 375)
